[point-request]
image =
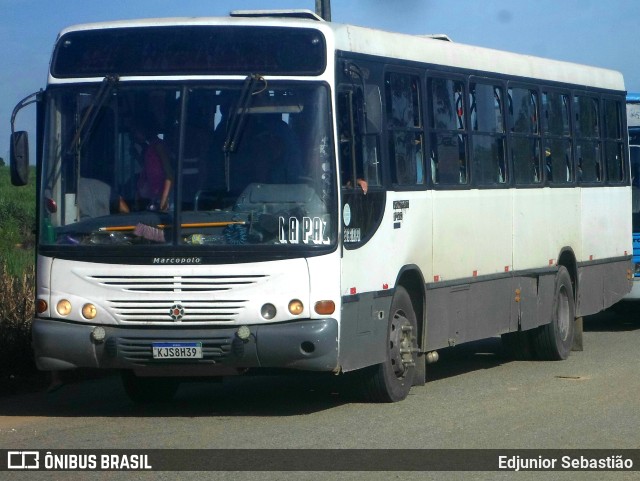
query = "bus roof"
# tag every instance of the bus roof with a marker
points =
(435, 51)
(424, 49)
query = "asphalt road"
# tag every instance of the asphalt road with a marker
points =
(474, 398)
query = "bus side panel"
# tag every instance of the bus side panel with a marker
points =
(601, 281)
(403, 237)
(525, 306)
(545, 221)
(469, 311)
(601, 286)
(363, 330)
(604, 235)
(590, 298)
(489, 309)
(546, 297)
(472, 233)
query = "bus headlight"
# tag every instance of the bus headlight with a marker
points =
(64, 307)
(296, 307)
(89, 311)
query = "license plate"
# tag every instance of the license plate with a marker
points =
(177, 350)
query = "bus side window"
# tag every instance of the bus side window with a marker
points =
(558, 151)
(525, 136)
(634, 153)
(359, 152)
(613, 142)
(488, 134)
(346, 139)
(448, 137)
(404, 125)
(588, 144)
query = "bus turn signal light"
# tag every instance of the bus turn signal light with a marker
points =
(325, 308)
(41, 306)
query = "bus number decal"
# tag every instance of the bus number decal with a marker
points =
(312, 230)
(399, 208)
(351, 235)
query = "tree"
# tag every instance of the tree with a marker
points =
(2, 164)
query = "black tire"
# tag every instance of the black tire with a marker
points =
(391, 380)
(149, 390)
(553, 341)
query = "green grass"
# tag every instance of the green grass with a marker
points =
(17, 278)
(17, 223)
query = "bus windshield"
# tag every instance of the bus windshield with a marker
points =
(226, 164)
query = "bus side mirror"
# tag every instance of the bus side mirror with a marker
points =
(19, 158)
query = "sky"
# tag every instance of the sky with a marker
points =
(602, 33)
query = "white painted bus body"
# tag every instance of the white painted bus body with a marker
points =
(470, 247)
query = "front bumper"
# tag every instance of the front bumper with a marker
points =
(306, 345)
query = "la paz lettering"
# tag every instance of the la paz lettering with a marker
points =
(310, 230)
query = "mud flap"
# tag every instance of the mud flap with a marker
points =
(420, 373)
(577, 337)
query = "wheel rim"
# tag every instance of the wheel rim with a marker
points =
(401, 345)
(563, 314)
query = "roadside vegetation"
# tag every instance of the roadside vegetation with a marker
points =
(17, 280)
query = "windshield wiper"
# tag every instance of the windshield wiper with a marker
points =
(91, 114)
(237, 120)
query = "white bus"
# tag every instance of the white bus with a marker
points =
(270, 190)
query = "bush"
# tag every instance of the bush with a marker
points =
(17, 296)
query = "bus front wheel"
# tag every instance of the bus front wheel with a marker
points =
(391, 380)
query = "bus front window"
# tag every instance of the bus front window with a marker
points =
(127, 169)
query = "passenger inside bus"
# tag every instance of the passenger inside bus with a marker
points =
(156, 178)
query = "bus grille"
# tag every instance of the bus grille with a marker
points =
(187, 299)
(188, 311)
(176, 283)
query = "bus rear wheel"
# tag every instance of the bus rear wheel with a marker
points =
(553, 341)
(391, 380)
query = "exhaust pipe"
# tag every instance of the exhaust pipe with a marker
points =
(323, 9)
